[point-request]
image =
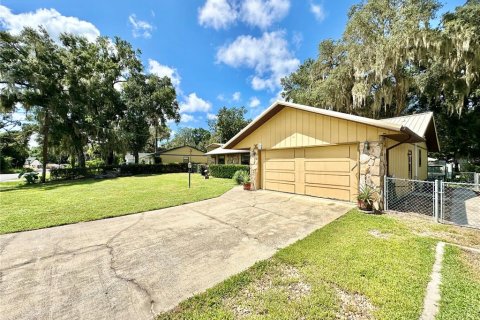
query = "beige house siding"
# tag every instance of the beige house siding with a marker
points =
(292, 128)
(398, 160)
(177, 155)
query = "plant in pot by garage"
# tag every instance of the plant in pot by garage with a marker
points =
(366, 198)
(242, 177)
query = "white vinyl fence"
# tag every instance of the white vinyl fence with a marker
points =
(447, 202)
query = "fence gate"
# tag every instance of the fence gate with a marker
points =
(447, 202)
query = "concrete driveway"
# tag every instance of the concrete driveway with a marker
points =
(8, 177)
(135, 266)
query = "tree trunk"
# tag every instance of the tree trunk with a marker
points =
(81, 157)
(110, 158)
(156, 140)
(135, 154)
(46, 127)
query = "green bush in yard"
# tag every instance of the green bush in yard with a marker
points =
(122, 170)
(29, 175)
(241, 177)
(226, 170)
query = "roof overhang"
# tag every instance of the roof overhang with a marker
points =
(405, 136)
(220, 151)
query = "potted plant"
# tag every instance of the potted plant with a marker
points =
(243, 177)
(365, 198)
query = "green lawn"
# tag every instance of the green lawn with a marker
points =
(25, 207)
(460, 288)
(364, 265)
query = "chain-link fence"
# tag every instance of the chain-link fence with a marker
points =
(448, 202)
(465, 177)
(460, 203)
(404, 195)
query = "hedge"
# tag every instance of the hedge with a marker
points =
(122, 170)
(226, 170)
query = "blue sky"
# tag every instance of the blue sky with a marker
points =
(218, 52)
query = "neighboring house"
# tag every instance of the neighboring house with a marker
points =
(317, 152)
(219, 155)
(143, 158)
(183, 154)
(33, 163)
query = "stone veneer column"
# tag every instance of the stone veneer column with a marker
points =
(372, 168)
(254, 170)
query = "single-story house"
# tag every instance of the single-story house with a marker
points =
(33, 163)
(183, 154)
(143, 158)
(218, 155)
(306, 150)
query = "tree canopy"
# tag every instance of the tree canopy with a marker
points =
(390, 57)
(228, 123)
(83, 93)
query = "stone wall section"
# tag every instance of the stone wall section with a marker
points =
(372, 168)
(254, 169)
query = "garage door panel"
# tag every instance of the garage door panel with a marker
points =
(328, 179)
(280, 176)
(282, 187)
(280, 165)
(327, 166)
(327, 192)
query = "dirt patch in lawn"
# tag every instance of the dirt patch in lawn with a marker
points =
(354, 306)
(379, 234)
(472, 261)
(424, 226)
(281, 280)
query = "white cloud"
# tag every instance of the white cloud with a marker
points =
(254, 102)
(185, 117)
(54, 22)
(263, 13)
(217, 14)
(140, 28)
(318, 11)
(162, 70)
(211, 116)
(221, 97)
(236, 96)
(268, 55)
(220, 14)
(297, 39)
(193, 103)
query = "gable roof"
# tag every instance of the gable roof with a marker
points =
(168, 150)
(422, 124)
(277, 106)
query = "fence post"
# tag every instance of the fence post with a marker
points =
(385, 195)
(476, 181)
(435, 199)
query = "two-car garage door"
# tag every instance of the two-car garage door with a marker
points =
(329, 172)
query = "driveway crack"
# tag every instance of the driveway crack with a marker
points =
(65, 253)
(117, 275)
(227, 224)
